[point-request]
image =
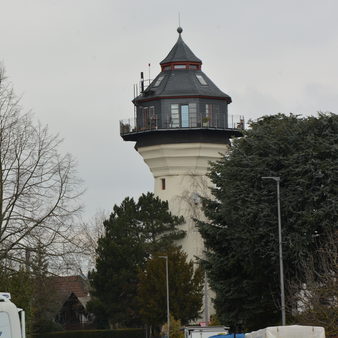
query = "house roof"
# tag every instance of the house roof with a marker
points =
(66, 285)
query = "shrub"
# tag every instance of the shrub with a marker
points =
(120, 333)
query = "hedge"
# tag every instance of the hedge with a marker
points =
(120, 333)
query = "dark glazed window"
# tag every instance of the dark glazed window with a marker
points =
(163, 183)
(145, 118)
(175, 116)
(193, 114)
(213, 116)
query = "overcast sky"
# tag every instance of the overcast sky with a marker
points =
(75, 63)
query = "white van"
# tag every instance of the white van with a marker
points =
(291, 331)
(12, 319)
(204, 331)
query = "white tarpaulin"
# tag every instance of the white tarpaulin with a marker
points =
(292, 331)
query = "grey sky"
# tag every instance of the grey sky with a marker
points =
(75, 62)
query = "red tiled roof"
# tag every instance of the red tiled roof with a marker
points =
(66, 285)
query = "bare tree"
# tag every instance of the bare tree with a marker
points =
(88, 235)
(315, 301)
(39, 189)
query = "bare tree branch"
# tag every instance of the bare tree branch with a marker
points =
(39, 189)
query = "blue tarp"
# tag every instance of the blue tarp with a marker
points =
(231, 335)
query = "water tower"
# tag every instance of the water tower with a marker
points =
(180, 125)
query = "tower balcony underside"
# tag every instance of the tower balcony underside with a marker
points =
(191, 159)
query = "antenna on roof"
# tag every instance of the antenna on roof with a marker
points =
(149, 72)
(179, 29)
(142, 83)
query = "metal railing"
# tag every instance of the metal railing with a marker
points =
(216, 121)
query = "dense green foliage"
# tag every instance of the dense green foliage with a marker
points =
(175, 328)
(132, 233)
(242, 237)
(20, 285)
(121, 333)
(185, 285)
(32, 290)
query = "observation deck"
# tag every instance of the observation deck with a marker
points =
(132, 128)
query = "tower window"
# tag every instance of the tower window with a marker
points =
(183, 115)
(158, 81)
(145, 122)
(163, 183)
(180, 66)
(213, 115)
(175, 117)
(193, 114)
(201, 79)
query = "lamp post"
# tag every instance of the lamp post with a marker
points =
(282, 294)
(167, 283)
(206, 308)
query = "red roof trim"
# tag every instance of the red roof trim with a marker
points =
(185, 97)
(187, 63)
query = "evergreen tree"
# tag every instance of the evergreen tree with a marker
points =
(185, 288)
(242, 237)
(132, 232)
(44, 302)
(159, 226)
(31, 289)
(20, 285)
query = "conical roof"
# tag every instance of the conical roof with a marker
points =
(181, 82)
(180, 52)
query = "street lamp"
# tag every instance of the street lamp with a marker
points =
(282, 294)
(206, 308)
(167, 282)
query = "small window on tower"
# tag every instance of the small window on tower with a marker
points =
(201, 79)
(180, 66)
(159, 80)
(163, 183)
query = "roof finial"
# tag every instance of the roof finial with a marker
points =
(179, 29)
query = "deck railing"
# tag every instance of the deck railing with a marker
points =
(217, 121)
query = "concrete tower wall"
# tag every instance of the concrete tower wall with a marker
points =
(179, 172)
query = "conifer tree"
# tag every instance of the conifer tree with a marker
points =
(185, 288)
(242, 237)
(132, 232)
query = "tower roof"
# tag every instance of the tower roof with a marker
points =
(181, 76)
(176, 83)
(180, 52)
(181, 104)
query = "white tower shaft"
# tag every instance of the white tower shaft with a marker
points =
(179, 172)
